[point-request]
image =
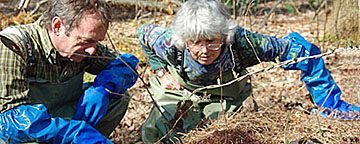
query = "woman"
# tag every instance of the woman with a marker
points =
(205, 47)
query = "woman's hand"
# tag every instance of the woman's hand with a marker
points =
(167, 81)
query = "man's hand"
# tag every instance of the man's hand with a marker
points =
(92, 105)
(167, 81)
(116, 77)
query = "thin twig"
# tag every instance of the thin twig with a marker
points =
(38, 6)
(336, 21)
(174, 125)
(323, 3)
(248, 40)
(268, 14)
(288, 62)
(358, 19)
(327, 96)
(141, 79)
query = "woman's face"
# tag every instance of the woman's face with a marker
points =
(205, 51)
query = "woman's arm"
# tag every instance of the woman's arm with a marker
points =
(157, 46)
(253, 48)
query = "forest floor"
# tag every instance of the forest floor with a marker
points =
(282, 111)
(283, 103)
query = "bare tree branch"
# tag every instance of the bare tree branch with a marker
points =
(288, 62)
(319, 8)
(271, 11)
(38, 6)
(359, 17)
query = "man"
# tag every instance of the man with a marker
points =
(205, 47)
(41, 72)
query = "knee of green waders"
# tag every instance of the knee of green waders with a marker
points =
(230, 104)
(149, 131)
(157, 127)
(116, 111)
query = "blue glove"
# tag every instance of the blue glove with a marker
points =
(317, 78)
(344, 112)
(32, 123)
(92, 105)
(116, 76)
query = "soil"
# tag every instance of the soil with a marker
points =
(278, 110)
(282, 112)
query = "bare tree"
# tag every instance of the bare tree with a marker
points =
(359, 15)
(344, 20)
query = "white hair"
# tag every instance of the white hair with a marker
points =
(202, 19)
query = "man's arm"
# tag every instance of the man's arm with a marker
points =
(24, 122)
(14, 87)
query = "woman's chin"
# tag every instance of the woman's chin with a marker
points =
(205, 62)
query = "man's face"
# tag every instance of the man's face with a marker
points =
(205, 51)
(81, 40)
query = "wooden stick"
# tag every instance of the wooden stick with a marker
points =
(268, 14)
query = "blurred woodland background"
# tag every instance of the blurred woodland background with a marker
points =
(279, 109)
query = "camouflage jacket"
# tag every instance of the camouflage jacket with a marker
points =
(246, 49)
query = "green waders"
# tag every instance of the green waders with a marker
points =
(184, 112)
(61, 100)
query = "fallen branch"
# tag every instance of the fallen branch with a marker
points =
(288, 62)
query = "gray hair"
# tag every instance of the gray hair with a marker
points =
(202, 19)
(71, 11)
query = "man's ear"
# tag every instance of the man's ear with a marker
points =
(57, 26)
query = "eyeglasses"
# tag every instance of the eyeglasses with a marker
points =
(213, 46)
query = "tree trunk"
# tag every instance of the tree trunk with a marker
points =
(359, 18)
(344, 20)
(167, 7)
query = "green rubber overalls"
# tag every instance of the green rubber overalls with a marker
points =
(61, 99)
(183, 111)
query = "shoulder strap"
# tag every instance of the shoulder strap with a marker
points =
(29, 57)
(236, 55)
(12, 46)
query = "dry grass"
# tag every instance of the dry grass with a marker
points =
(282, 116)
(283, 102)
(276, 126)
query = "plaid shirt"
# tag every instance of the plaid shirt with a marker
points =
(161, 52)
(15, 69)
